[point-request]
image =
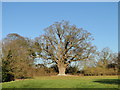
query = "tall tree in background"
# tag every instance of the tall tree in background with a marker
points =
(17, 55)
(106, 63)
(63, 43)
(105, 57)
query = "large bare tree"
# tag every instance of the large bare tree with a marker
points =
(64, 43)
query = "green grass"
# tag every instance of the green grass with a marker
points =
(65, 82)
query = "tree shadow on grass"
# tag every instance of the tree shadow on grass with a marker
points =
(109, 81)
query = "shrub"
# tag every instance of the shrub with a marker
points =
(6, 77)
(71, 70)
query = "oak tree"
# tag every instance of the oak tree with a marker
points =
(64, 43)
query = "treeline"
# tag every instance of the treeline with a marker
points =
(18, 54)
(64, 49)
(18, 61)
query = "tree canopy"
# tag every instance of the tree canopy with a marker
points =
(63, 43)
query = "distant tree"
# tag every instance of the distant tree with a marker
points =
(105, 56)
(17, 55)
(63, 43)
(113, 64)
(106, 64)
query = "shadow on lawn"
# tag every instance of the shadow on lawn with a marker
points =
(108, 81)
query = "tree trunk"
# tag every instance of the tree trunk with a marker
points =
(61, 69)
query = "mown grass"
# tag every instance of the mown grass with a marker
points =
(65, 82)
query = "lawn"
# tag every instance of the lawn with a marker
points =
(65, 82)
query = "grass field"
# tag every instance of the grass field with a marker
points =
(65, 82)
